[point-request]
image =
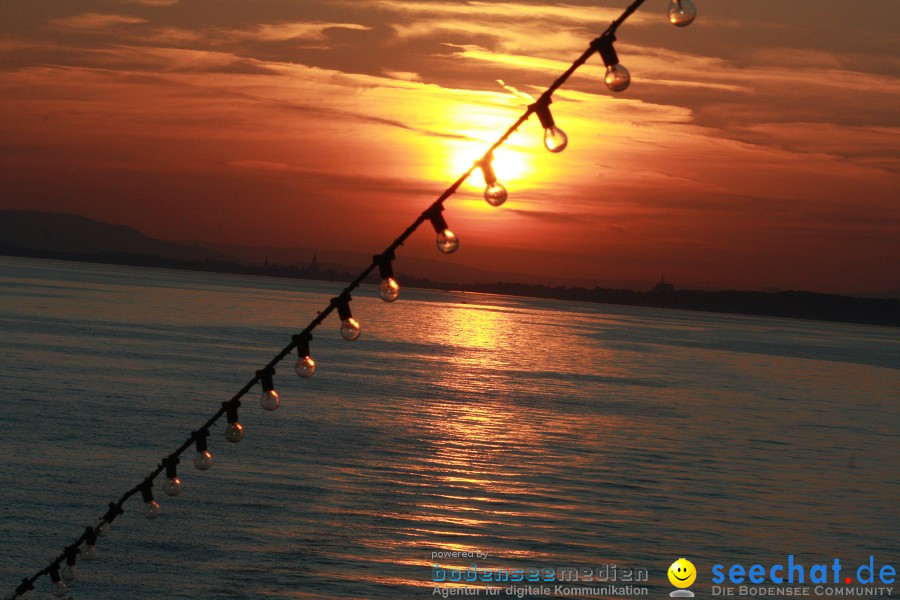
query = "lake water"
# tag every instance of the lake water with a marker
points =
(545, 434)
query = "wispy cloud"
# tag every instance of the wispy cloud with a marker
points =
(94, 21)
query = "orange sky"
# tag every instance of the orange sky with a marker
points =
(756, 148)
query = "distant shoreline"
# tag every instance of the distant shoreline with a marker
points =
(787, 304)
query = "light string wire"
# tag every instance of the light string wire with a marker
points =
(198, 437)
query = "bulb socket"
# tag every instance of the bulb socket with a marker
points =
(231, 410)
(53, 570)
(24, 587)
(147, 491)
(437, 219)
(385, 264)
(542, 109)
(487, 169)
(265, 379)
(171, 468)
(114, 511)
(90, 536)
(607, 51)
(71, 555)
(343, 306)
(200, 439)
(301, 341)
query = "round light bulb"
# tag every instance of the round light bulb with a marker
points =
(617, 78)
(269, 400)
(70, 572)
(89, 552)
(203, 460)
(350, 329)
(447, 242)
(305, 367)
(555, 139)
(682, 12)
(234, 432)
(172, 487)
(495, 194)
(60, 589)
(151, 509)
(103, 529)
(389, 289)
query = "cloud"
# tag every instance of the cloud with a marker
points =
(286, 31)
(91, 21)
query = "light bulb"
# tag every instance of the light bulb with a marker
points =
(234, 432)
(269, 400)
(447, 242)
(103, 529)
(305, 367)
(89, 552)
(389, 289)
(203, 460)
(70, 572)
(495, 194)
(350, 329)
(151, 509)
(682, 12)
(172, 486)
(617, 78)
(60, 589)
(555, 139)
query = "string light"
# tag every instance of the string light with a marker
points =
(234, 431)
(60, 589)
(447, 242)
(269, 399)
(151, 506)
(70, 571)
(306, 366)
(203, 460)
(350, 328)
(494, 194)
(172, 486)
(389, 289)
(555, 139)
(681, 13)
(617, 77)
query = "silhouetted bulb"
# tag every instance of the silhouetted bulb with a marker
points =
(682, 12)
(617, 78)
(151, 509)
(389, 289)
(350, 329)
(89, 552)
(269, 400)
(203, 460)
(495, 194)
(555, 139)
(70, 572)
(103, 529)
(447, 242)
(234, 432)
(305, 367)
(60, 589)
(172, 486)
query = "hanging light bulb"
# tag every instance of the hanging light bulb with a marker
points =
(172, 486)
(203, 460)
(447, 242)
(350, 329)
(494, 194)
(306, 366)
(89, 551)
(389, 289)
(114, 511)
(555, 139)
(269, 399)
(151, 506)
(617, 77)
(60, 589)
(70, 571)
(682, 12)
(234, 431)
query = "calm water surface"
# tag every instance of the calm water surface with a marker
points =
(547, 434)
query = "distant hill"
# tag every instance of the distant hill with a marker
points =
(65, 233)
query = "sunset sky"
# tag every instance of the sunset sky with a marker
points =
(756, 148)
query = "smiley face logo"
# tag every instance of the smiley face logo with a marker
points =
(682, 573)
